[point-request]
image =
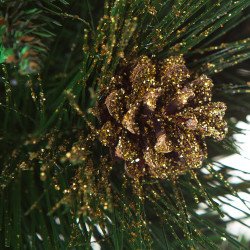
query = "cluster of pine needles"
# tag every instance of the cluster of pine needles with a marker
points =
(59, 188)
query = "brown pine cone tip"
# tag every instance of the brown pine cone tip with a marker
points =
(156, 119)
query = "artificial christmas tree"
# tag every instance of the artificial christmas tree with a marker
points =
(109, 113)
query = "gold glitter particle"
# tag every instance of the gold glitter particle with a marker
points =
(43, 176)
(33, 155)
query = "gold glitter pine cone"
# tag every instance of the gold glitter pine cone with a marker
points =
(156, 118)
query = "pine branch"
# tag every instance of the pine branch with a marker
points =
(60, 188)
(24, 33)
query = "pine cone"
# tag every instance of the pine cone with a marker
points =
(156, 118)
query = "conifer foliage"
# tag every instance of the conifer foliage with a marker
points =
(112, 115)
